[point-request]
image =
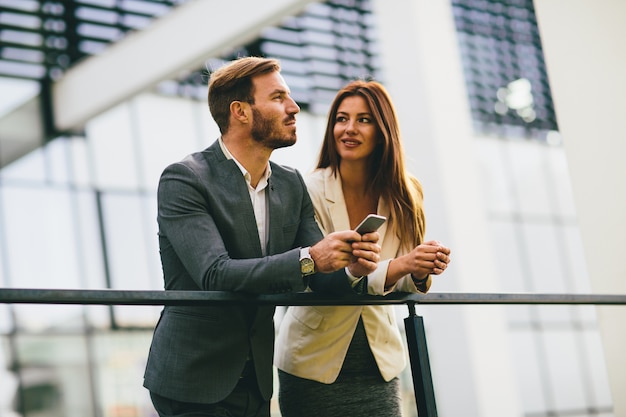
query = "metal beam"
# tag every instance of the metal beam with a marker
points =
(21, 131)
(180, 41)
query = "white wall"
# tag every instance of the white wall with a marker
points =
(583, 42)
(468, 346)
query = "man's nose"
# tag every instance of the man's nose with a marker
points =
(293, 107)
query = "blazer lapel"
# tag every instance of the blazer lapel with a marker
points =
(335, 201)
(333, 192)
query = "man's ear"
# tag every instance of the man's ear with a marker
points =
(241, 111)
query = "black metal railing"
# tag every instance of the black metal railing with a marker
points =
(414, 324)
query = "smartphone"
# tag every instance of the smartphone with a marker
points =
(370, 223)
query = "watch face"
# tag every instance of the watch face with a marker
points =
(307, 266)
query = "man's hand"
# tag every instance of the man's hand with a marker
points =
(366, 255)
(346, 248)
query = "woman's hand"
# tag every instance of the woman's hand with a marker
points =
(429, 258)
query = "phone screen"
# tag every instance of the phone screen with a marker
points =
(370, 223)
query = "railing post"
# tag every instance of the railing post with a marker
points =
(420, 364)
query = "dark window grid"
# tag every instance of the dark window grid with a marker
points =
(345, 50)
(335, 38)
(64, 32)
(500, 43)
(320, 50)
(338, 24)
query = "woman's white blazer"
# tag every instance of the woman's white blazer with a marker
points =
(312, 341)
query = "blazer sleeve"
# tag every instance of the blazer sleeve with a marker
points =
(208, 237)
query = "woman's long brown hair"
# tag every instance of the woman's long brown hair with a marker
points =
(388, 175)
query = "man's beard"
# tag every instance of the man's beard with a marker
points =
(265, 131)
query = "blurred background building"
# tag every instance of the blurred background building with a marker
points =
(98, 96)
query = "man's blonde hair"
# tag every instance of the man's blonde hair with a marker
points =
(233, 82)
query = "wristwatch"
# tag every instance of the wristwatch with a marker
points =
(307, 265)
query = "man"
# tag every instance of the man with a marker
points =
(229, 220)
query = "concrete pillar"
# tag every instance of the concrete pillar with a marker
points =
(583, 42)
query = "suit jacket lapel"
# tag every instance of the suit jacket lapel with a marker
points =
(234, 182)
(275, 209)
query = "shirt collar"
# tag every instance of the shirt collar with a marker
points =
(244, 171)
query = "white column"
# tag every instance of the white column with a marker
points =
(468, 346)
(583, 42)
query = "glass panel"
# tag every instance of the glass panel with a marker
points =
(545, 257)
(9, 381)
(6, 320)
(167, 132)
(598, 380)
(82, 171)
(527, 164)
(495, 176)
(121, 359)
(15, 92)
(561, 189)
(45, 233)
(88, 236)
(110, 141)
(565, 375)
(208, 130)
(38, 317)
(91, 258)
(54, 371)
(129, 225)
(575, 253)
(29, 167)
(39, 224)
(511, 269)
(407, 392)
(56, 158)
(586, 315)
(527, 364)
(3, 278)
(51, 163)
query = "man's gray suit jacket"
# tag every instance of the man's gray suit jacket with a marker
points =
(208, 240)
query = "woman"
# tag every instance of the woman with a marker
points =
(345, 360)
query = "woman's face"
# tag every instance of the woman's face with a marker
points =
(355, 130)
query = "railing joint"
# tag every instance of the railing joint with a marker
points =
(411, 306)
